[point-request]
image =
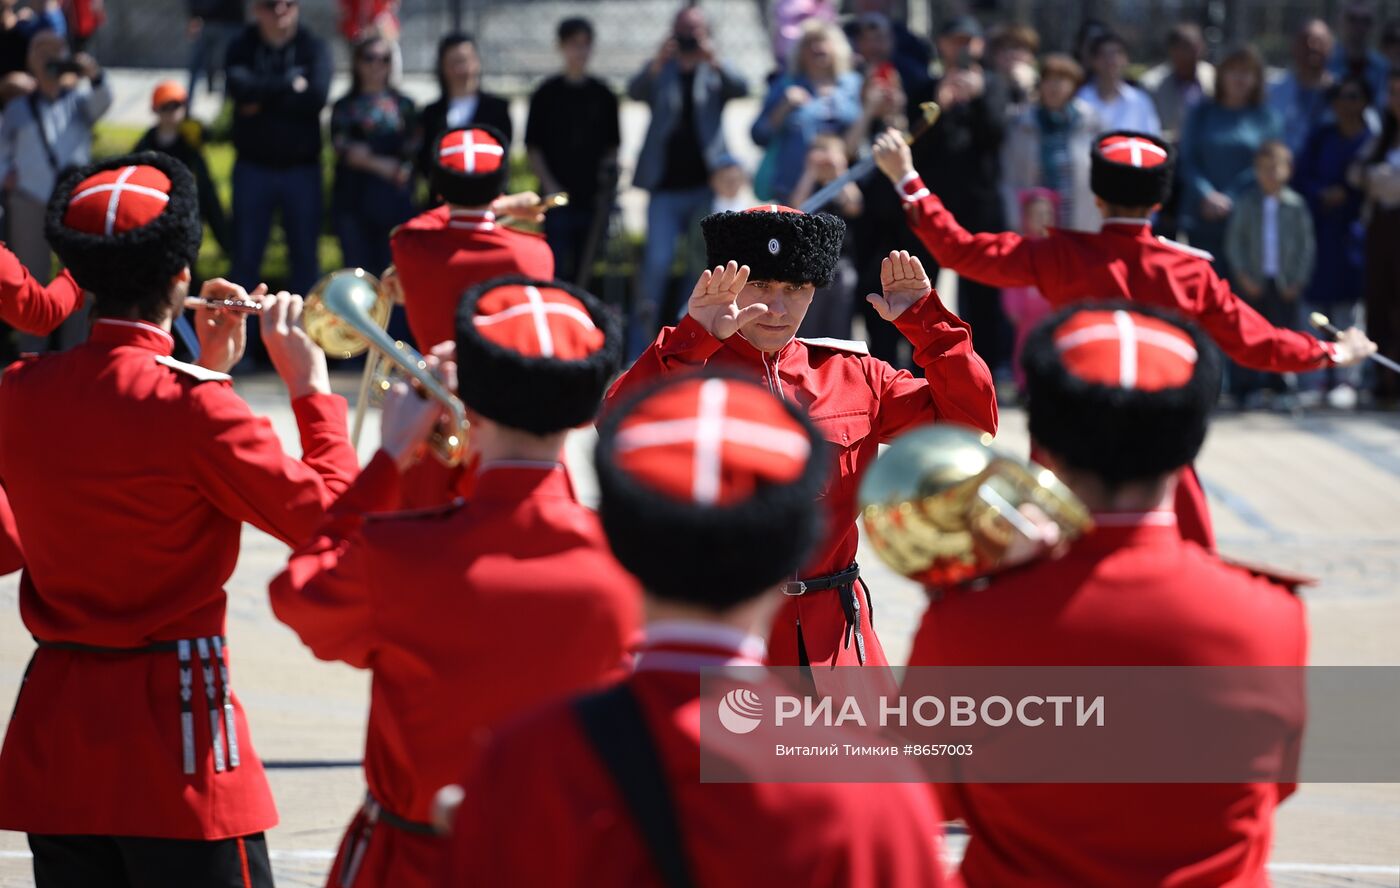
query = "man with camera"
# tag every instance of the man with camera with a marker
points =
(42, 136)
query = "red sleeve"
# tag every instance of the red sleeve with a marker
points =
(30, 307)
(238, 461)
(957, 386)
(325, 592)
(11, 558)
(997, 260)
(1244, 335)
(686, 346)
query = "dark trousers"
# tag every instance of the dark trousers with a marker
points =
(132, 862)
(259, 194)
(1383, 297)
(566, 229)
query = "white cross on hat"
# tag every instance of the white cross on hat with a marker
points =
(1129, 334)
(116, 189)
(709, 430)
(539, 310)
(1138, 150)
(469, 148)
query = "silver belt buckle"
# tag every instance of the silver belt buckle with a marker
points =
(795, 588)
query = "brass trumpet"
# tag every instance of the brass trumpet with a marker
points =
(940, 506)
(345, 314)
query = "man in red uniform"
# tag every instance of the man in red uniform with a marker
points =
(744, 316)
(1131, 177)
(1118, 399)
(128, 759)
(470, 613)
(446, 251)
(706, 496)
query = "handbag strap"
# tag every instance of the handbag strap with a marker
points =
(43, 132)
(613, 722)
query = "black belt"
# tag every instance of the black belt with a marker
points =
(380, 814)
(209, 650)
(845, 583)
(155, 647)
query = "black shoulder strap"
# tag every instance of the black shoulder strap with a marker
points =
(613, 723)
(43, 133)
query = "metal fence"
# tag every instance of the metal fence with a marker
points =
(516, 37)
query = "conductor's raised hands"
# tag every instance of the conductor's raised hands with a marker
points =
(904, 281)
(714, 303)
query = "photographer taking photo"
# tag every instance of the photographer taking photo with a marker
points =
(43, 135)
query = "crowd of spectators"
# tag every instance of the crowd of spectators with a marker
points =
(1290, 179)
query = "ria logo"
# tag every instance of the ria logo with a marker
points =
(740, 711)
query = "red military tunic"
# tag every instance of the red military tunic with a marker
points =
(439, 255)
(130, 476)
(856, 402)
(31, 307)
(1131, 593)
(467, 615)
(542, 781)
(1123, 261)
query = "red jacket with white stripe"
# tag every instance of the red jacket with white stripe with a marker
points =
(1123, 261)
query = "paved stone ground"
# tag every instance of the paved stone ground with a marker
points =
(1321, 495)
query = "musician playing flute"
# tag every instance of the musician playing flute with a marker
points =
(128, 760)
(468, 614)
(743, 317)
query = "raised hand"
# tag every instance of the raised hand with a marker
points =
(1353, 347)
(298, 360)
(892, 155)
(714, 303)
(223, 334)
(904, 281)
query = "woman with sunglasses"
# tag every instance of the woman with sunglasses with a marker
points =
(374, 131)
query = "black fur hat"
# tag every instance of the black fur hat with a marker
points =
(535, 355)
(757, 524)
(470, 165)
(122, 241)
(776, 243)
(1132, 169)
(1120, 390)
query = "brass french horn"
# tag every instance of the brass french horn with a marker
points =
(345, 314)
(941, 506)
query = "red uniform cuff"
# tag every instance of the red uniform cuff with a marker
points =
(319, 416)
(691, 339)
(925, 316)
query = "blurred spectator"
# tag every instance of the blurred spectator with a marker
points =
(1299, 98)
(1182, 81)
(686, 87)
(833, 306)
(1036, 212)
(1377, 173)
(788, 18)
(960, 161)
(1390, 44)
(873, 38)
(50, 15)
(1090, 30)
(1271, 250)
(374, 130)
(1049, 146)
(1336, 209)
(912, 53)
(183, 139)
(461, 101)
(819, 94)
(732, 187)
(883, 98)
(1218, 146)
(1013, 49)
(1354, 55)
(43, 135)
(1117, 104)
(572, 136)
(213, 25)
(84, 18)
(278, 75)
(17, 25)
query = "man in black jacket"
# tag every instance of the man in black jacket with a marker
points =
(278, 75)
